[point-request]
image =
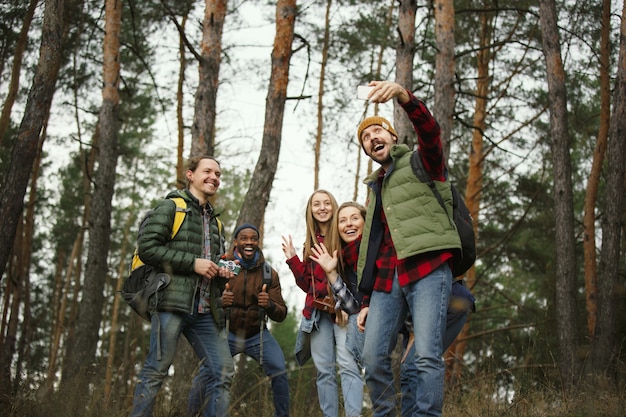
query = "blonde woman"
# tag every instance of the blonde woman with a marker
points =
(322, 334)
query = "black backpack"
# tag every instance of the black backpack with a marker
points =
(461, 217)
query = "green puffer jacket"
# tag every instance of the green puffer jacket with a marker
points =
(416, 221)
(177, 257)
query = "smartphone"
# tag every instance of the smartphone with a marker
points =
(363, 91)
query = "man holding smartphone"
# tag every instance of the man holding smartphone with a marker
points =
(408, 241)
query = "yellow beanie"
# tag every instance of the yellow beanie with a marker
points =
(375, 120)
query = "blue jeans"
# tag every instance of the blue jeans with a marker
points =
(461, 303)
(210, 344)
(427, 302)
(328, 346)
(355, 339)
(273, 365)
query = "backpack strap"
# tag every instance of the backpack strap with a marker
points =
(220, 225)
(267, 273)
(420, 173)
(179, 217)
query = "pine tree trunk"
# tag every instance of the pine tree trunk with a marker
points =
(563, 196)
(405, 53)
(377, 76)
(605, 346)
(591, 196)
(58, 327)
(14, 84)
(444, 70)
(24, 247)
(203, 128)
(181, 181)
(15, 339)
(475, 175)
(82, 347)
(37, 108)
(257, 197)
(125, 252)
(10, 329)
(72, 266)
(320, 96)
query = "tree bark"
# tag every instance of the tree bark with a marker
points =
(320, 96)
(203, 128)
(444, 70)
(565, 279)
(14, 84)
(12, 320)
(82, 346)
(23, 247)
(377, 76)
(476, 158)
(181, 181)
(63, 289)
(125, 252)
(37, 108)
(604, 348)
(257, 197)
(591, 196)
(405, 53)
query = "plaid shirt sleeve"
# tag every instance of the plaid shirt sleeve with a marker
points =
(428, 136)
(299, 270)
(309, 274)
(344, 297)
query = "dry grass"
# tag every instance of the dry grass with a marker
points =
(597, 398)
(592, 399)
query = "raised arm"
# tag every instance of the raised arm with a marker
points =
(346, 300)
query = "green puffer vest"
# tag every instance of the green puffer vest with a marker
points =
(177, 257)
(416, 221)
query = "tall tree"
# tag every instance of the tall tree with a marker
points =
(565, 280)
(82, 346)
(203, 128)
(19, 275)
(444, 70)
(13, 189)
(20, 47)
(405, 52)
(258, 195)
(320, 95)
(180, 168)
(605, 349)
(589, 219)
(476, 155)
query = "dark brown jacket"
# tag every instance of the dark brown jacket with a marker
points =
(245, 313)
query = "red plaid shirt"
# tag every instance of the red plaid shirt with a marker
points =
(416, 267)
(350, 254)
(306, 272)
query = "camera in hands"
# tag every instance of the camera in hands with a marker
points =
(231, 265)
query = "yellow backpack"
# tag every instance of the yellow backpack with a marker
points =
(144, 280)
(179, 217)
